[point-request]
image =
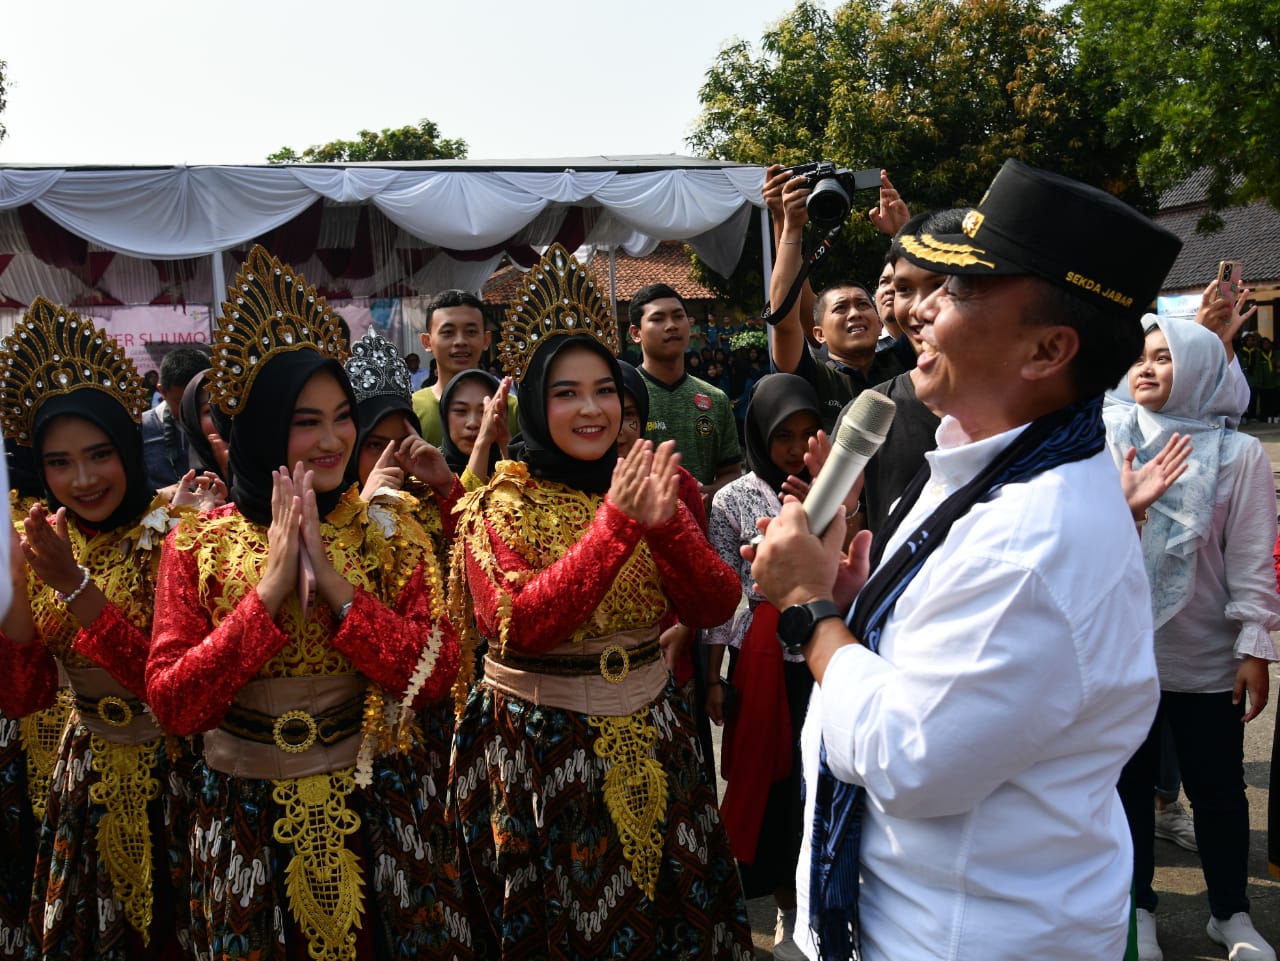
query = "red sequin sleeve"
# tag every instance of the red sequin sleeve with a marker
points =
(195, 669)
(118, 646)
(30, 677)
(551, 605)
(385, 644)
(447, 518)
(703, 589)
(691, 494)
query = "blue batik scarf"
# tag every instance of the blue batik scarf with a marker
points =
(1070, 434)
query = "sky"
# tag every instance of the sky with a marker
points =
(231, 81)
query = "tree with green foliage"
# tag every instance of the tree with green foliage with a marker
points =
(421, 142)
(1196, 85)
(938, 92)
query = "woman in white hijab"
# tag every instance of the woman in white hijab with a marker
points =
(1213, 599)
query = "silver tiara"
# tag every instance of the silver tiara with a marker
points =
(376, 367)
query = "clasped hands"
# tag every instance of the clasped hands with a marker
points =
(295, 530)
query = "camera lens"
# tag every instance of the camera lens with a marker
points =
(828, 205)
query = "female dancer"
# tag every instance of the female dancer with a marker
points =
(28, 743)
(115, 810)
(298, 632)
(1214, 605)
(462, 410)
(588, 826)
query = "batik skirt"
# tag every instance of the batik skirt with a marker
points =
(406, 858)
(543, 858)
(19, 831)
(77, 913)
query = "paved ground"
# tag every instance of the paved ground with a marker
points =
(1184, 909)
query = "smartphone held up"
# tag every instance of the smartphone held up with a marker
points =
(1229, 274)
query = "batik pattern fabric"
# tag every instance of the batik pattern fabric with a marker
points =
(28, 751)
(548, 857)
(18, 833)
(111, 865)
(41, 711)
(398, 894)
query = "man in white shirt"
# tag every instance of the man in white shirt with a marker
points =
(961, 783)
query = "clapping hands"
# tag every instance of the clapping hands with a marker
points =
(646, 483)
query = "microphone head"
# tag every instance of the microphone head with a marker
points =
(870, 413)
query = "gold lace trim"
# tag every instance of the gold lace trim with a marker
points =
(124, 788)
(541, 521)
(323, 880)
(41, 734)
(376, 550)
(635, 791)
(123, 564)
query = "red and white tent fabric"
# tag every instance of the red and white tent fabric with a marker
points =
(174, 235)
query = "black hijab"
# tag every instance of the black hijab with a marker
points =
(453, 456)
(545, 459)
(374, 409)
(633, 383)
(23, 475)
(775, 398)
(200, 455)
(260, 437)
(108, 415)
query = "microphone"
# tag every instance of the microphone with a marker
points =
(863, 426)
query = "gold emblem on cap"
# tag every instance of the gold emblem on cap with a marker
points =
(972, 221)
(927, 247)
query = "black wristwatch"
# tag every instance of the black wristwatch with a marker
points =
(798, 622)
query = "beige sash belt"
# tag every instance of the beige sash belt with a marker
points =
(618, 690)
(292, 700)
(110, 710)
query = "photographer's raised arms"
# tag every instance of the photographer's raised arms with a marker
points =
(842, 360)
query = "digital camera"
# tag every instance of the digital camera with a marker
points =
(831, 187)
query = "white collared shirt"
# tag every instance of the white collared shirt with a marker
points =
(1015, 678)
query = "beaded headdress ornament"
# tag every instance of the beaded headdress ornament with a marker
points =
(376, 368)
(271, 309)
(53, 351)
(557, 296)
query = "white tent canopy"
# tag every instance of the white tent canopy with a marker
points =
(156, 235)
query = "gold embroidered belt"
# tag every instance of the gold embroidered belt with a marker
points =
(614, 675)
(110, 710)
(289, 727)
(615, 661)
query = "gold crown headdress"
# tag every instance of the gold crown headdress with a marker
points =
(53, 351)
(271, 310)
(557, 296)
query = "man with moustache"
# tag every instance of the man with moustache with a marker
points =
(972, 715)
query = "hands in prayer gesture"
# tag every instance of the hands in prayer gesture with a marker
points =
(294, 530)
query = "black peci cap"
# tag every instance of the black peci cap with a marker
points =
(1075, 236)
